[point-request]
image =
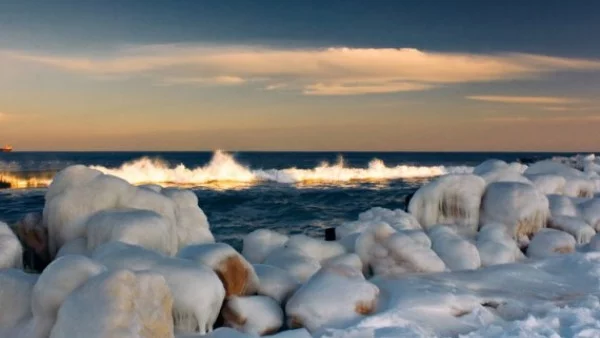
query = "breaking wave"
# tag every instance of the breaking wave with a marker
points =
(224, 168)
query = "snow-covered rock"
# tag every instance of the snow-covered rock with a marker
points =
(550, 242)
(259, 243)
(496, 245)
(335, 296)
(318, 249)
(236, 273)
(16, 289)
(350, 259)
(450, 199)
(275, 282)
(548, 184)
(590, 212)
(258, 315)
(295, 262)
(562, 205)
(192, 224)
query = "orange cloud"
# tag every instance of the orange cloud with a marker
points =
(329, 71)
(524, 99)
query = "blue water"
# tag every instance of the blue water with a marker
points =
(234, 212)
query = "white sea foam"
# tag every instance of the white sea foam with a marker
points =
(224, 168)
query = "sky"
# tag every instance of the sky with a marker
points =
(422, 75)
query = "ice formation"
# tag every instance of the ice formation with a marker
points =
(236, 273)
(275, 282)
(456, 252)
(574, 226)
(11, 250)
(259, 243)
(519, 206)
(550, 242)
(295, 262)
(590, 211)
(335, 296)
(257, 315)
(451, 199)
(496, 245)
(16, 288)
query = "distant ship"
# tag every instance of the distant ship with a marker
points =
(6, 149)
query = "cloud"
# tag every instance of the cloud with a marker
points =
(524, 99)
(327, 71)
(515, 119)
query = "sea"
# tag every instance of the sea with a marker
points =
(290, 192)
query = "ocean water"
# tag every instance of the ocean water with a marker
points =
(292, 192)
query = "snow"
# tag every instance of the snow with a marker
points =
(574, 226)
(258, 315)
(236, 273)
(548, 183)
(519, 206)
(398, 218)
(317, 249)
(259, 243)
(562, 205)
(350, 259)
(450, 199)
(496, 245)
(16, 288)
(275, 282)
(550, 242)
(334, 297)
(295, 262)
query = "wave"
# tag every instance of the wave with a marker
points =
(223, 171)
(224, 168)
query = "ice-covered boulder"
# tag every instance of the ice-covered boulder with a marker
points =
(388, 252)
(335, 296)
(594, 244)
(76, 193)
(450, 199)
(295, 262)
(520, 206)
(574, 226)
(16, 289)
(74, 247)
(350, 259)
(590, 212)
(318, 249)
(562, 205)
(259, 243)
(197, 294)
(117, 304)
(257, 315)
(490, 165)
(11, 250)
(496, 245)
(550, 242)
(119, 255)
(398, 218)
(456, 252)
(144, 228)
(275, 282)
(236, 273)
(579, 187)
(192, 224)
(552, 167)
(419, 236)
(55, 284)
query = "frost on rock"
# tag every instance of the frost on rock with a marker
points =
(233, 269)
(144, 228)
(117, 304)
(195, 308)
(334, 297)
(259, 243)
(258, 315)
(275, 282)
(574, 226)
(387, 252)
(16, 288)
(11, 250)
(450, 199)
(456, 252)
(519, 206)
(550, 242)
(496, 245)
(295, 262)
(590, 212)
(318, 249)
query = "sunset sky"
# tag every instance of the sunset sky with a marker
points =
(300, 75)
